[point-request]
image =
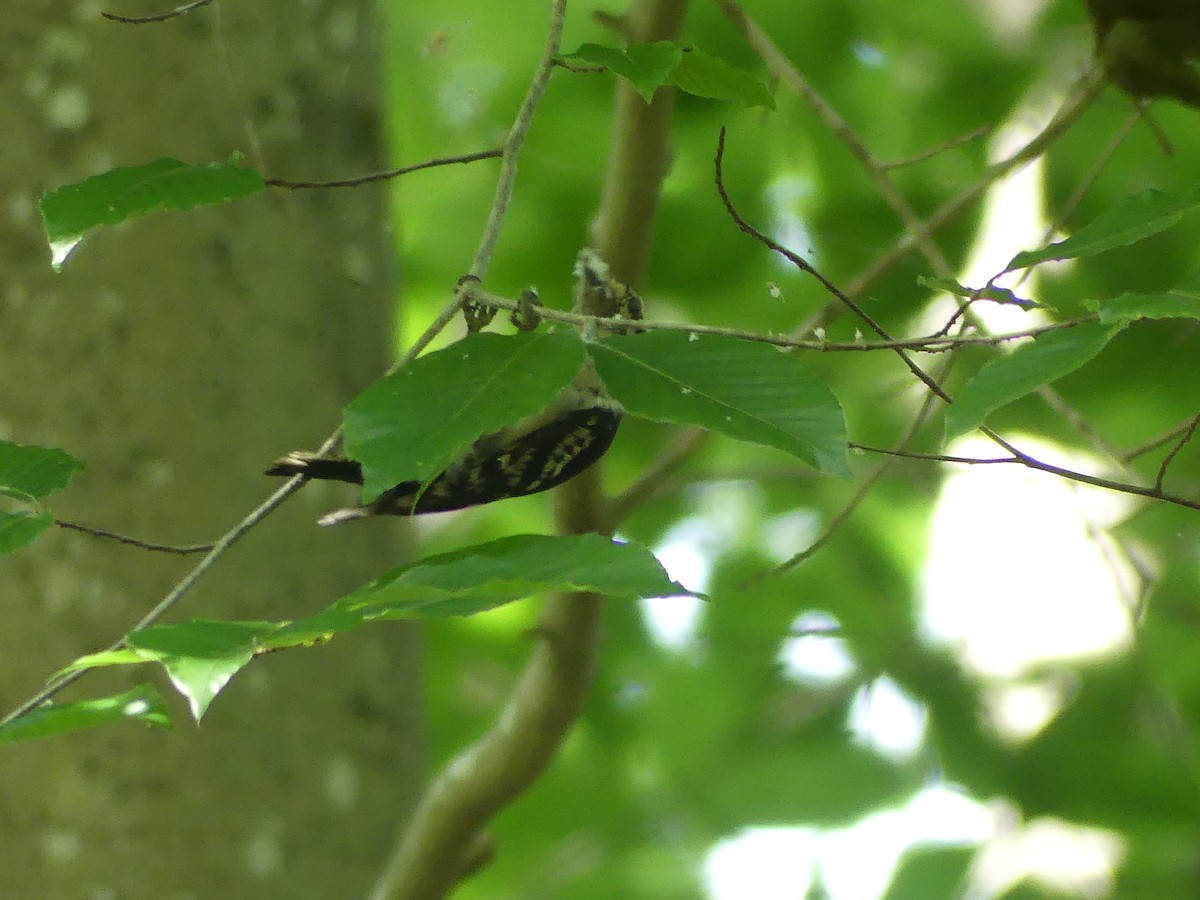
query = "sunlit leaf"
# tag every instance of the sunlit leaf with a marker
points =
(142, 704)
(122, 193)
(411, 424)
(747, 391)
(1047, 358)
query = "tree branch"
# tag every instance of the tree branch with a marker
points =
(435, 851)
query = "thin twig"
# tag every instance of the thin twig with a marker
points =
(331, 445)
(952, 144)
(835, 524)
(132, 541)
(1024, 458)
(929, 344)
(158, 17)
(651, 479)
(933, 457)
(1086, 90)
(383, 176)
(176, 593)
(1174, 451)
(1154, 443)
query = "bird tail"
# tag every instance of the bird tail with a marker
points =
(301, 462)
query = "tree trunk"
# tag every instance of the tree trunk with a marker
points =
(177, 355)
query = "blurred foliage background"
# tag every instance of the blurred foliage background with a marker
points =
(688, 741)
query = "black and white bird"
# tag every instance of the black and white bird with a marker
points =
(531, 456)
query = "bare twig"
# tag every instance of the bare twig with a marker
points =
(184, 549)
(935, 388)
(383, 176)
(1155, 443)
(331, 444)
(928, 344)
(158, 17)
(952, 144)
(933, 457)
(176, 593)
(1173, 452)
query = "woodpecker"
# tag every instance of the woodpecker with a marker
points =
(532, 456)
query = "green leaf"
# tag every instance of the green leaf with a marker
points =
(650, 66)
(1129, 221)
(1181, 302)
(199, 656)
(987, 292)
(645, 66)
(707, 76)
(21, 528)
(125, 192)
(1047, 358)
(485, 576)
(745, 390)
(142, 704)
(28, 472)
(413, 423)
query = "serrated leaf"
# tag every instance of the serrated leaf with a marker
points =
(1129, 221)
(645, 66)
(707, 76)
(745, 390)
(142, 704)
(413, 423)
(485, 576)
(1181, 302)
(987, 292)
(30, 473)
(21, 528)
(122, 193)
(1047, 358)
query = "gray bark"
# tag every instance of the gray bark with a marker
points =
(177, 355)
